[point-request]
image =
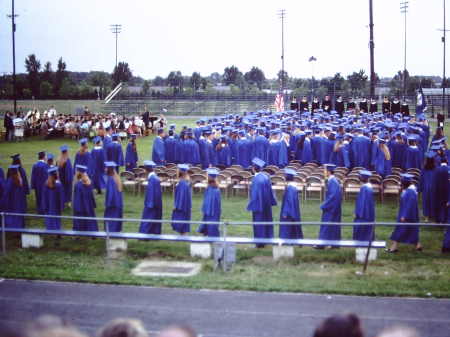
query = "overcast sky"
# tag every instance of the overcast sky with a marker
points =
(209, 35)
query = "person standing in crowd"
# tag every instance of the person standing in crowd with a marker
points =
(83, 201)
(23, 175)
(383, 162)
(261, 201)
(9, 126)
(159, 150)
(373, 106)
(351, 105)
(65, 173)
(206, 149)
(408, 212)
(152, 202)
(290, 208)
(339, 106)
(38, 178)
(386, 106)
(327, 105)
(243, 150)
(182, 203)
(96, 166)
(224, 152)
(131, 154)
(211, 207)
(14, 199)
(398, 151)
(441, 191)
(260, 145)
(446, 242)
(113, 198)
(427, 186)
(315, 105)
(304, 105)
(412, 156)
(114, 152)
(83, 156)
(331, 207)
(404, 108)
(170, 147)
(363, 105)
(364, 209)
(191, 149)
(52, 199)
(294, 104)
(395, 106)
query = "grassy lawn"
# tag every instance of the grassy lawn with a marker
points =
(331, 271)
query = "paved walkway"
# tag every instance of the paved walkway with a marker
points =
(214, 313)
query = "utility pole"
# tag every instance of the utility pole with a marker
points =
(372, 46)
(444, 84)
(13, 28)
(282, 14)
(404, 9)
(116, 29)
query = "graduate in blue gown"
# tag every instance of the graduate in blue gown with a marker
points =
(331, 207)
(114, 153)
(382, 159)
(113, 198)
(190, 149)
(131, 154)
(412, 156)
(182, 203)
(364, 209)
(52, 199)
(65, 173)
(83, 201)
(446, 241)
(316, 146)
(261, 201)
(441, 190)
(427, 186)
(290, 208)
(211, 207)
(408, 212)
(398, 151)
(260, 145)
(361, 150)
(38, 178)
(83, 156)
(14, 198)
(307, 155)
(96, 168)
(152, 202)
(243, 150)
(16, 161)
(206, 150)
(170, 147)
(159, 150)
(223, 152)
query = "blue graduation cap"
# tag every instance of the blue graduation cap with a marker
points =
(172, 126)
(81, 168)
(330, 167)
(406, 176)
(435, 147)
(241, 132)
(149, 163)
(183, 167)
(15, 156)
(97, 139)
(430, 154)
(290, 172)
(63, 148)
(258, 162)
(50, 156)
(110, 164)
(115, 136)
(411, 138)
(365, 173)
(52, 170)
(83, 141)
(212, 172)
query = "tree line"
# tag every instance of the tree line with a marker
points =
(42, 82)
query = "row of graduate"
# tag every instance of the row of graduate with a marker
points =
(262, 199)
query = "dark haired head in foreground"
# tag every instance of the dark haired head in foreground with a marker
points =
(340, 326)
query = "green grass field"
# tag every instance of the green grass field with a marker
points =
(407, 273)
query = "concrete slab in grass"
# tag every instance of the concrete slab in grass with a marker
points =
(151, 268)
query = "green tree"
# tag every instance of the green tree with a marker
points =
(67, 90)
(46, 89)
(256, 77)
(175, 80)
(33, 66)
(60, 76)
(357, 81)
(232, 75)
(47, 74)
(100, 79)
(158, 81)
(195, 81)
(121, 73)
(145, 88)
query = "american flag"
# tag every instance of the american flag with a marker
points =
(279, 102)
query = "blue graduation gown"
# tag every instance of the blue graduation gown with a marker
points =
(307, 156)
(207, 154)
(170, 149)
(211, 209)
(361, 151)
(114, 153)
(382, 166)
(260, 204)
(412, 159)
(23, 175)
(65, 174)
(159, 151)
(260, 148)
(191, 152)
(131, 157)
(152, 206)
(326, 147)
(14, 201)
(398, 154)
(410, 212)
(97, 168)
(113, 205)
(182, 205)
(2, 174)
(224, 156)
(290, 212)
(233, 148)
(331, 211)
(84, 205)
(364, 212)
(53, 204)
(82, 159)
(244, 152)
(39, 176)
(316, 147)
(427, 187)
(106, 140)
(441, 190)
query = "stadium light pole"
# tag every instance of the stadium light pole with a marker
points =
(116, 29)
(372, 47)
(404, 9)
(282, 15)
(13, 28)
